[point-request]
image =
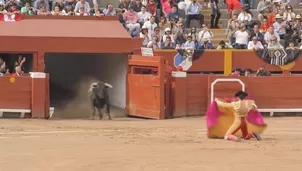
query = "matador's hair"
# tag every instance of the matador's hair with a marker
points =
(241, 95)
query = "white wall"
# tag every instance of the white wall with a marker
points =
(77, 71)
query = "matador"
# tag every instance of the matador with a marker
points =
(241, 108)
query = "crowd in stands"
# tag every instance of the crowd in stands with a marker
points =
(249, 72)
(17, 69)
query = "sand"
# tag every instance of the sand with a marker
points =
(127, 144)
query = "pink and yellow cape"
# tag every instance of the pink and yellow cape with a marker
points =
(219, 119)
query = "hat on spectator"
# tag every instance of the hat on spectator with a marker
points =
(276, 1)
(167, 29)
(298, 16)
(182, 5)
(144, 27)
(278, 16)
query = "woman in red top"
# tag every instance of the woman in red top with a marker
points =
(264, 26)
(152, 7)
(233, 5)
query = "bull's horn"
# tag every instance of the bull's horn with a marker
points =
(108, 85)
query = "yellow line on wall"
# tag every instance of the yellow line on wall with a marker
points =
(228, 62)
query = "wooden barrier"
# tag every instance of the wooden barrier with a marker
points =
(25, 94)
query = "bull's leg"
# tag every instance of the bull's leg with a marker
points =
(93, 113)
(108, 111)
(100, 113)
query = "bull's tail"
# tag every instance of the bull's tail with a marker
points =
(108, 108)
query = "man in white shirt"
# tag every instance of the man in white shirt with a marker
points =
(205, 34)
(150, 25)
(82, 3)
(280, 26)
(269, 34)
(255, 44)
(143, 16)
(242, 37)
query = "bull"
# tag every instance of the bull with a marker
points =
(99, 97)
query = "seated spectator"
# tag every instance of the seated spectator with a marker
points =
(194, 34)
(294, 36)
(143, 16)
(256, 33)
(168, 44)
(277, 4)
(179, 45)
(81, 11)
(151, 25)
(292, 46)
(241, 37)
(274, 44)
(157, 34)
(174, 26)
(131, 20)
(193, 12)
(255, 44)
(57, 11)
(144, 34)
(124, 4)
(152, 7)
(43, 11)
(246, 18)
(154, 44)
(168, 33)
(39, 3)
(68, 10)
(174, 13)
(109, 10)
(223, 45)
(27, 9)
(80, 6)
(2, 66)
(190, 44)
(298, 22)
(280, 26)
(269, 34)
(58, 3)
(163, 24)
(264, 8)
(262, 72)
(96, 11)
(236, 72)
(167, 7)
(12, 7)
(247, 72)
(180, 34)
(264, 26)
(137, 5)
(233, 24)
(20, 62)
(205, 34)
(288, 14)
(206, 45)
(18, 72)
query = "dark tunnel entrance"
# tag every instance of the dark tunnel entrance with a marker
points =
(71, 76)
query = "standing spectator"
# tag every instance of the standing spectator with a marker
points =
(143, 16)
(255, 44)
(264, 8)
(109, 10)
(124, 4)
(205, 34)
(39, 3)
(193, 12)
(84, 4)
(241, 37)
(280, 26)
(174, 13)
(131, 20)
(256, 33)
(27, 9)
(151, 25)
(215, 16)
(269, 34)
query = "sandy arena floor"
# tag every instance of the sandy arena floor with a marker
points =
(144, 145)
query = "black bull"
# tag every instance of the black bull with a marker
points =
(99, 98)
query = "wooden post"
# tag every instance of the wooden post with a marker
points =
(41, 64)
(38, 95)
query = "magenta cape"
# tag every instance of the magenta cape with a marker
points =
(220, 119)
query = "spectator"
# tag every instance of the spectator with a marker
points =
(95, 11)
(288, 14)
(2, 66)
(206, 45)
(215, 16)
(57, 11)
(157, 33)
(1, 6)
(264, 26)
(173, 26)
(234, 7)
(39, 3)
(163, 24)
(174, 13)
(144, 34)
(137, 5)
(109, 10)
(193, 12)
(269, 34)
(247, 72)
(124, 4)
(58, 3)
(84, 5)
(143, 16)
(151, 25)
(256, 33)
(180, 34)
(280, 26)
(168, 44)
(18, 72)
(179, 45)
(274, 44)
(262, 72)
(298, 24)
(154, 44)
(236, 72)
(277, 4)
(255, 44)
(205, 34)
(168, 33)
(82, 11)
(233, 25)
(27, 9)
(194, 34)
(151, 6)
(246, 18)
(223, 45)
(190, 44)
(241, 37)
(292, 46)
(43, 11)
(264, 8)
(69, 11)
(131, 19)
(167, 7)
(20, 62)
